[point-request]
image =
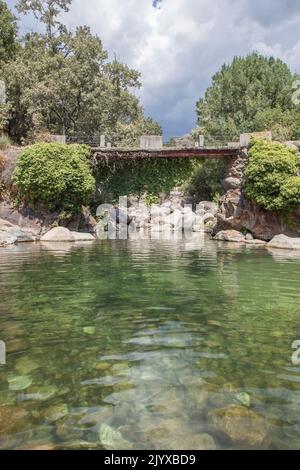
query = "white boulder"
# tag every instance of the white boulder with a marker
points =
(58, 234)
(230, 236)
(282, 241)
(81, 236)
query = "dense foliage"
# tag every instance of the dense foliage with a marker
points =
(253, 93)
(63, 82)
(56, 176)
(8, 33)
(271, 175)
(205, 184)
(290, 191)
(151, 176)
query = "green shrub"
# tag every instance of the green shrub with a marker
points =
(56, 176)
(270, 166)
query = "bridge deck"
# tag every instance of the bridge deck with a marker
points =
(106, 154)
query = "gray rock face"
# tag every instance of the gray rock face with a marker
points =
(231, 183)
(10, 233)
(208, 206)
(284, 242)
(249, 236)
(7, 239)
(26, 219)
(237, 212)
(230, 236)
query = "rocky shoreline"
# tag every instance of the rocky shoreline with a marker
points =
(11, 234)
(234, 219)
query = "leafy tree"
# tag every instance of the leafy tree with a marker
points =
(250, 94)
(271, 175)
(46, 12)
(62, 81)
(56, 176)
(127, 135)
(8, 33)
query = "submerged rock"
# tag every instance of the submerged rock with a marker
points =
(19, 382)
(175, 434)
(12, 419)
(56, 412)
(38, 447)
(112, 439)
(42, 393)
(244, 398)
(103, 365)
(240, 424)
(24, 365)
(189, 441)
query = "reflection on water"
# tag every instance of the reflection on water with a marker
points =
(149, 345)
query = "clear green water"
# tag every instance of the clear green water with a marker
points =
(139, 344)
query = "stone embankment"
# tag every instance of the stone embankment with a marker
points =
(236, 212)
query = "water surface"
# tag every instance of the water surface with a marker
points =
(127, 344)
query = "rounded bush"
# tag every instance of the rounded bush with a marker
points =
(56, 176)
(270, 166)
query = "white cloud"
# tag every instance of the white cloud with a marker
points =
(179, 46)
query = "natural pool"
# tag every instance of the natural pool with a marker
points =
(149, 345)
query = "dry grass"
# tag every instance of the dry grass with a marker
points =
(4, 142)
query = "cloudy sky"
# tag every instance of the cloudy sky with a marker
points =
(178, 44)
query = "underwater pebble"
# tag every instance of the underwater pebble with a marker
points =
(20, 382)
(56, 412)
(112, 439)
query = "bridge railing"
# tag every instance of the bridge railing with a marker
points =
(156, 142)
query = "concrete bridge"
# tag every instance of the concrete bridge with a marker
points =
(153, 147)
(114, 154)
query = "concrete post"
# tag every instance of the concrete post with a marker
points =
(61, 139)
(151, 142)
(102, 141)
(108, 145)
(201, 141)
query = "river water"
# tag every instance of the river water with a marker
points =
(149, 345)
